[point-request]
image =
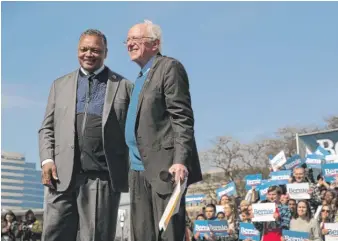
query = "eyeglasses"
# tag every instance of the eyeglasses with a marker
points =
(136, 39)
(325, 210)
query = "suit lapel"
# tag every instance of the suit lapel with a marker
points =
(146, 83)
(73, 77)
(112, 86)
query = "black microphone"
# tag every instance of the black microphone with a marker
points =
(166, 176)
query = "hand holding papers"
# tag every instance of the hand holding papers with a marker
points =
(173, 205)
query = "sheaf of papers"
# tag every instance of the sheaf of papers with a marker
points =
(173, 204)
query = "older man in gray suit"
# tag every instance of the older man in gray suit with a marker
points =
(82, 147)
(159, 134)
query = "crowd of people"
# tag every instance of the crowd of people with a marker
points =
(15, 229)
(290, 214)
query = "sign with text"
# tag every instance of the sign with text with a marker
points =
(330, 171)
(298, 191)
(333, 231)
(253, 180)
(263, 212)
(292, 162)
(263, 189)
(314, 161)
(229, 190)
(194, 199)
(278, 161)
(281, 177)
(289, 235)
(217, 227)
(248, 231)
(308, 143)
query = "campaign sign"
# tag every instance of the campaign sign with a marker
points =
(330, 171)
(194, 199)
(219, 228)
(252, 181)
(292, 162)
(219, 208)
(281, 177)
(333, 231)
(278, 161)
(229, 190)
(314, 161)
(263, 212)
(216, 227)
(295, 235)
(248, 231)
(298, 191)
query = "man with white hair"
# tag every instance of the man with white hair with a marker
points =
(159, 134)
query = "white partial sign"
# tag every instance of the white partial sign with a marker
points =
(278, 161)
(263, 212)
(298, 191)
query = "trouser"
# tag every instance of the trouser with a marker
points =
(146, 209)
(87, 212)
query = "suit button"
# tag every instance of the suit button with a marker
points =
(72, 146)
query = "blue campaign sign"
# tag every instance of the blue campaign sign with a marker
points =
(280, 177)
(330, 171)
(263, 190)
(292, 162)
(295, 235)
(229, 189)
(202, 227)
(314, 161)
(248, 231)
(194, 199)
(253, 180)
(217, 227)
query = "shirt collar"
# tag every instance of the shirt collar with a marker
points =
(96, 72)
(148, 65)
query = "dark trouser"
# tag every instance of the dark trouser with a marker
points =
(146, 209)
(87, 212)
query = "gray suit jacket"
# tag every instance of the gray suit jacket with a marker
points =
(165, 123)
(56, 136)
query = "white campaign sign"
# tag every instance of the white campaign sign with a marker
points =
(263, 212)
(278, 161)
(298, 191)
(333, 231)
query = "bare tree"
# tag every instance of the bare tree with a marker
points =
(332, 122)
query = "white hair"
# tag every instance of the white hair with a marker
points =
(155, 32)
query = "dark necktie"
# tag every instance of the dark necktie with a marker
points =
(140, 74)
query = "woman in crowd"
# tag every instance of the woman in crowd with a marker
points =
(225, 199)
(220, 216)
(9, 229)
(303, 221)
(243, 205)
(325, 217)
(292, 204)
(230, 212)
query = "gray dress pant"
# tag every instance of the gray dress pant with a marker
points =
(146, 209)
(87, 212)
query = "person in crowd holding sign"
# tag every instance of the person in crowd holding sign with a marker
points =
(272, 231)
(299, 177)
(325, 217)
(230, 212)
(303, 221)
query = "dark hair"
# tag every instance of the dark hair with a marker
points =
(220, 213)
(200, 215)
(292, 200)
(308, 209)
(211, 206)
(275, 188)
(95, 32)
(9, 213)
